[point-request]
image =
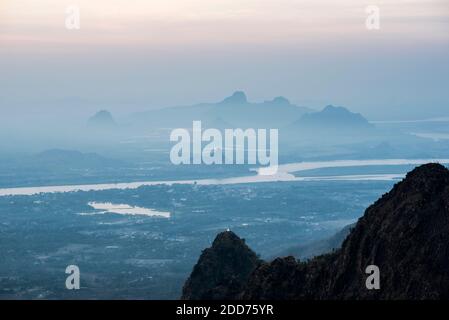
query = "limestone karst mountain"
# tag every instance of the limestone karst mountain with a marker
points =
(405, 234)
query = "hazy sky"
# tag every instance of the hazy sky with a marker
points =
(135, 54)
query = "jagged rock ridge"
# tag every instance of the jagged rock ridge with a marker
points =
(405, 233)
(222, 270)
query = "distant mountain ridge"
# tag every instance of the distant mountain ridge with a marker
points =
(334, 115)
(235, 110)
(338, 120)
(102, 120)
(238, 97)
(405, 234)
(295, 123)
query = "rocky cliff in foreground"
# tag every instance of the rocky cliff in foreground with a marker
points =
(222, 270)
(405, 234)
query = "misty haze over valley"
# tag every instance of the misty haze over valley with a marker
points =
(87, 114)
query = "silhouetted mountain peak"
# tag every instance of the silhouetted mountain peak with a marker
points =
(339, 112)
(334, 109)
(405, 234)
(280, 101)
(419, 189)
(426, 179)
(427, 175)
(222, 269)
(234, 110)
(331, 118)
(102, 119)
(238, 97)
(226, 239)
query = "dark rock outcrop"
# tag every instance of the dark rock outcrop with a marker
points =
(222, 269)
(405, 233)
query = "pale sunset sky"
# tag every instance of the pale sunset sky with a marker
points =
(132, 55)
